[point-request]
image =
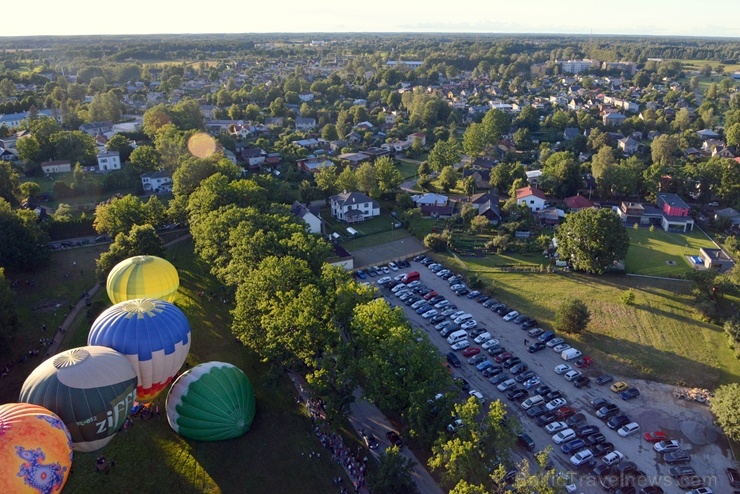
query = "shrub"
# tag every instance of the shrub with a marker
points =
(573, 316)
(628, 297)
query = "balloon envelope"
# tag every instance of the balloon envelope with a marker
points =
(211, 402)
(154, 335)
(90, 388)
(35, 449)
(142, 277)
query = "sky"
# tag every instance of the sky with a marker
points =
(718, 18)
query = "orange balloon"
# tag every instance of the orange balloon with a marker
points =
(35, 450)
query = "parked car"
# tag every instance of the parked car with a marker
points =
(532, 382)
(563, 368)
(508, 364)
(666, 446)
(576, 420)
(603, 449)
(561, 348)
(394, 438)
(629, 429)
(618, 421)
(521, 319)
(493, 371)
(604, 379)
(536, 411)
(733, 476)
(595, 439)
(619, 386)
(654, 437)
(581, 457)
(555, 342)
(581, 382)
(517, 369)
(482, 299)
(483, 337)
(536, 347)
(525, 376)
(369, 439)
(565, 413)
(489, 344)
(471, 324)
(586, 430)
(554, 427)
(572, 375)
(608, 410)
(511, 315)
(464, 384)
(517, 394)
(613, 458)
(572, 446)
(529, 324)
(471, 351)
(474, 294)
(630, 394)
(564, 436)
(545, 419)
(676, 457)
(455, 426)
(506, 385)
(460, 345)
(484, 365)
(556, 403)
(477, 395)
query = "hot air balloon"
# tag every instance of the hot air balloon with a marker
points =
(153, 334)
(35, 449)
(142, 277)
(211, 402)
(90, 388)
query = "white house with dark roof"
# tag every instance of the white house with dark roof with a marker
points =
(159, 181)
(353, 207)
(305, 124)
(109, 160)
(312, 221)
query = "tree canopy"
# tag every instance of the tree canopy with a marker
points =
(592, 240)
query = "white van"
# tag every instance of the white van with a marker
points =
(463, 318)
(570, 354)
(532, 401)
(458, 335)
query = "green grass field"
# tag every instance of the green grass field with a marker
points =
(659, 337)
(150, 457)
(408, 170)
(649, 251)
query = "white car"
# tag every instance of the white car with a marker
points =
(483, 337)
(457, 287)
(506, 385)
(455, 426)
(463, 317)
(478, 395)
(470, 324)
(629, 429)
(393, 266)
(456, 314)
(554, 427)
(443, 272)
(665, 446)
(511, 316)
(581, 457)
(384, 280)
(449, 310)
(418, 304)
(561, 348)
(613, 458)
(433, 265)
(555, 342)
(442, 325)
(564, 436)
(460, 345)
(572, 375)
(398, 287)
(555, 404)
(490, 343)
(560, 369)
(442, 304)
(413, 284)
(430, 313)
(399, 277)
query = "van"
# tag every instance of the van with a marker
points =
(570, 354)
(458, 335)
(453, 360)
(532, 401)
(463, 318)
(547, 336)
(411, 276)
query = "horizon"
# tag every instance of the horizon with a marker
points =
(541, 17)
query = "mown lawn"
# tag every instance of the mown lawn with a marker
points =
(408, 170)
(649, 252)
(150, 457)
(659, 337)
(376, 239)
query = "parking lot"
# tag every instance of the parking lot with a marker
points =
(654, 410)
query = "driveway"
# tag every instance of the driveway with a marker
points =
(656, 409)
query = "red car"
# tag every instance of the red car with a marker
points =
(563, 413)
(430, 295)
(503, 356)
(584, 363)
(654, 437)
(470, 351)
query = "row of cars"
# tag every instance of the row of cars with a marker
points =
(374, 271)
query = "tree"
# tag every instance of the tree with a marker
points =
(474, 139)
(29, 149)
(329, 132)
(495, 124)
(9, 320)
(561, 175)
(144, 159)
(424, 169)
(326, 180)
(23, 247)
(393, 475)
(29, 190)
(592, 240)
(504, 175)
(444, 153)
(602, 161)
(733, 135)
(479, 223)
(120, 143)
(63, 213)
(467, 212)
(663, 150)
(120, 215)
(469, 185)
(367, 180)
(726, 407)
(347, 180)
(140, 240)
(436, 242)
(572, 316)
(9, 190)
(388, 175)
(79, 174)
(448, 178)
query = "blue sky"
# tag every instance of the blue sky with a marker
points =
(653, 17)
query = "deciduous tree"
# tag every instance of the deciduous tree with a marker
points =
(592, 240)
(572, 316)
(726, 407)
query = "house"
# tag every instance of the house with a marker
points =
(305, 124)
(482, 177)
(313, 164)
(59, 166)
(707, 134)
(312, 221)
(478, 200)
(353, 137)
(437, 211)
(7, 155)
(306, 97)
(353, 207)
(576, 203)
(157, 182)
(430, 199)
(533, 176)
(341, 258)
(273, 122)
(109, 160)
(13, 120)
(253, 156)
(396, 146)
(490, 210)
(354, 159)
(533, 198)
(417, 135)
(730, 213)
(309, 143)
(95, 128)
(628, 145)
(716, 259)
(614, 119)
(551, 216)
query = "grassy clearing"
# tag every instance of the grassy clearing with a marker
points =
(649, 251)
(376, 239)
(46, 186)
(151, 457)
(659, 337)
(408, 170)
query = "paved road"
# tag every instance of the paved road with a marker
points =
(367, 416)
(654, 410)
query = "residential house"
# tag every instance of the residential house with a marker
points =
(675, 213)
(491, 211)
(305, 124)
(716, 259)
(707, 134)
(207, 111)
(396, 146)
(95, 128)
(312, 165)
(312, 220)
(722, 152)
(730, 213)
(306, 97)
(482, 177)
(254, 156)
(109, 160)
(273, 122)
(353, 207)
(354, 159)
(628, 145)
(353, 137)
(309, 143)
(430, 199)
(577, 66)
(7, 155)
(576, 203)
(156, 182)
(533, 198)
(417, 135)
(550, 216)
(59, 166)
(478, 200)
(533, 176)
(614, 119)
(12, 120)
